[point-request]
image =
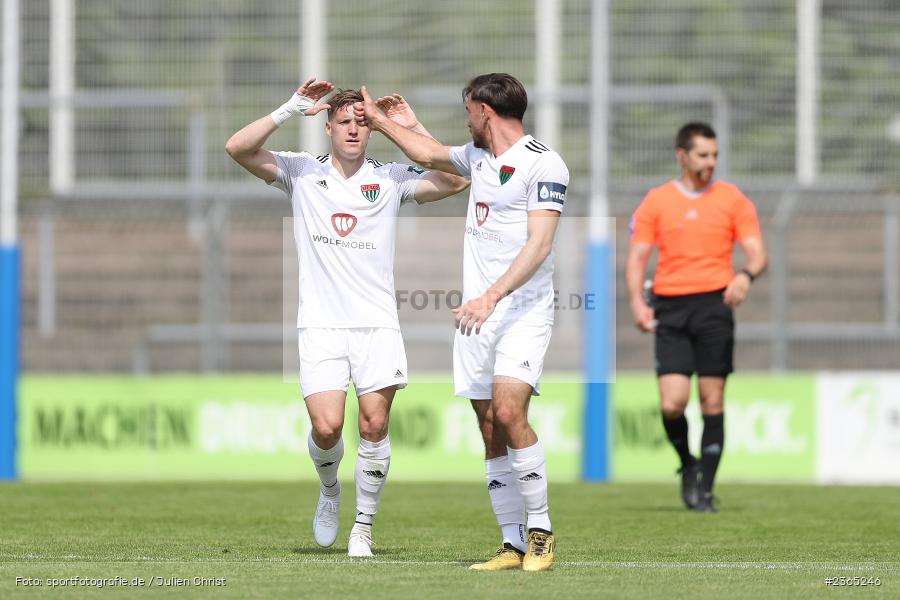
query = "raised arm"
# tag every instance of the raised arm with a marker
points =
(435, 185)
(420, 148)
(246, 145)
(542, 226)
(397, 109)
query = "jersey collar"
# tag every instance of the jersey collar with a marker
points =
(519, 142)
(692, 195)
(363, 168)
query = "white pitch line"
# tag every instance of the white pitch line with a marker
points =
(748, 566)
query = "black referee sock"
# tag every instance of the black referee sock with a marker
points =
(677, 430)
(711, 445)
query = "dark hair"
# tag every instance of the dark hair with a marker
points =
(504, 93)
(342, 98)
(686, 135)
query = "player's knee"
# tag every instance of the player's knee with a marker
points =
(373, 427)
(672, 408)
(327, 429)
(508, 416)
(711, 405)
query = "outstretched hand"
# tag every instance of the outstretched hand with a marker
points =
(397, 109)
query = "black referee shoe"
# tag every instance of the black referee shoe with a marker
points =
(690, 485)
(706, 504)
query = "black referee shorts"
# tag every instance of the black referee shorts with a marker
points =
(694, 334)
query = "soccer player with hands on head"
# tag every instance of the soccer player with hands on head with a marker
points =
(345, 208)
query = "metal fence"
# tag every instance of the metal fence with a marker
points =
(157, 227)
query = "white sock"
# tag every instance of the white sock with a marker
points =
(361, 528)
(372, 462)
(506, 501)
(327, 463)
(531, 476)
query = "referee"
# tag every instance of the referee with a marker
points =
(694, 222)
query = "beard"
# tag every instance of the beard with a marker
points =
(478, 140)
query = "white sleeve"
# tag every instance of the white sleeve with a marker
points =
(407, 178)
(290, 167)
(461, 157)
(548, 182)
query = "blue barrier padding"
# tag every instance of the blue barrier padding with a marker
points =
(597, 354)
(9, 358)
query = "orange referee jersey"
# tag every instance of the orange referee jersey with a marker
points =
(695, 234)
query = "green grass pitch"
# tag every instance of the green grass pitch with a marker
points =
(614, 541)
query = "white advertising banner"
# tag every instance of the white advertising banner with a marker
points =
(858, 428)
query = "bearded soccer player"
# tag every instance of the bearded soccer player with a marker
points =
(695, 222)
(345, 217)
(517, 196)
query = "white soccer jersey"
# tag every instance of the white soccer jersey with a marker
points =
(528, 176)
(344, 230)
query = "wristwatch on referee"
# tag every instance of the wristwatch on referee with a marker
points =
(749, 275)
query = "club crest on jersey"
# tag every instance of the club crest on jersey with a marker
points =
(370, 191)
(343, 223)
(481, 212)
(505, 173)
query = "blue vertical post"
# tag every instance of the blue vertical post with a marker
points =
(9, 245)
(9, 358)
(599, 276)
(597, 352)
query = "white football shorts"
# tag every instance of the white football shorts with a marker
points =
(372, 357)
(509, 348)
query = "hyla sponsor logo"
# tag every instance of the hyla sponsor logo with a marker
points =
(550, 191)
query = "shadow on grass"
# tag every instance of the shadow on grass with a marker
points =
(398, 554)
(329, 552)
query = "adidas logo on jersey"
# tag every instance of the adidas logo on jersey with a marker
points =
(398, 374)
(524, 365)
(322, 184)
(530, 477)
(375, 474)
(478, 165)
(495, 485)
